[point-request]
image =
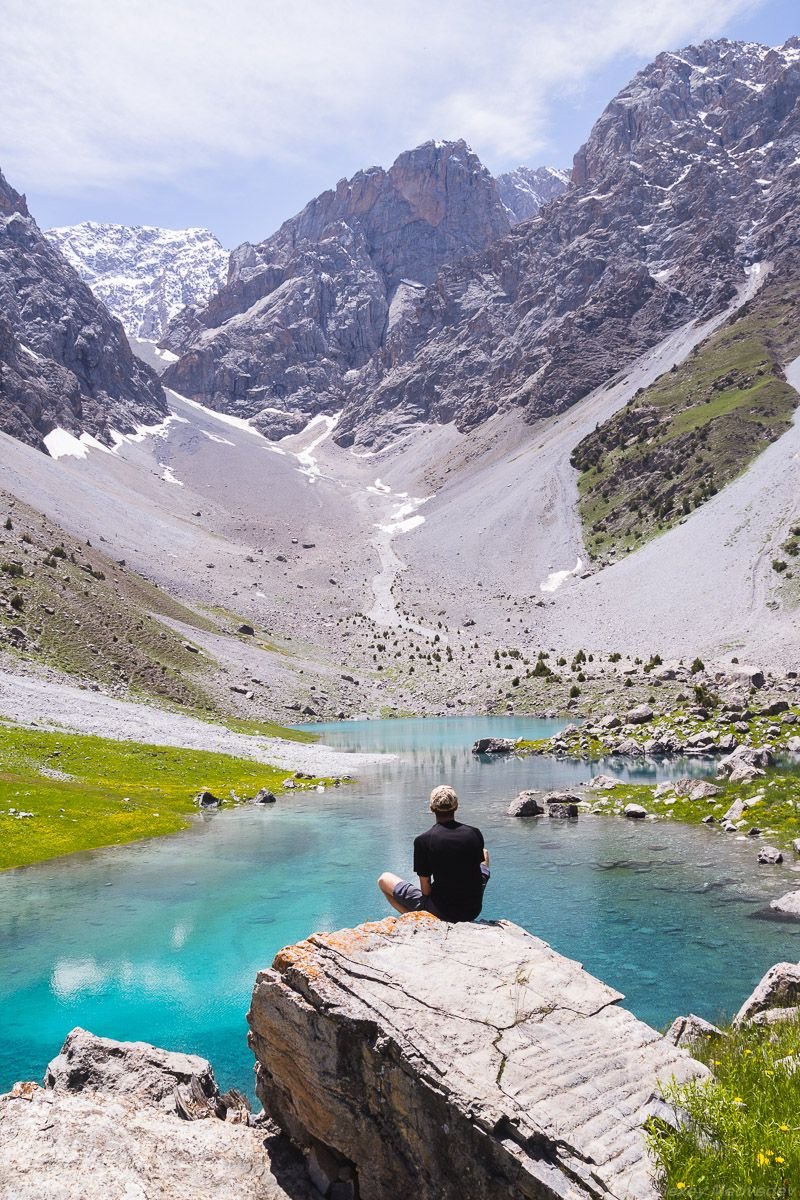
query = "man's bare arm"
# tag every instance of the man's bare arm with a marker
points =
(425, 884)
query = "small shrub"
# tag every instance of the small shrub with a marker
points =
(778, 565)
(8, 524)
(14, 569)
(574, 691)
(17, 602)
(697, 666)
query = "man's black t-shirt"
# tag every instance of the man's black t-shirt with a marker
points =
(452, 853)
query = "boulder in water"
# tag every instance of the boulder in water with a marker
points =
(490, 745)
(526, 805)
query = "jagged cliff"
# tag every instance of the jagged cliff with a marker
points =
(317, 299)
(144, 275)
(64, 360)
(689, 176)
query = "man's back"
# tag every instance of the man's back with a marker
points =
(451, 855)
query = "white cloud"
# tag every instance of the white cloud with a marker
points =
(103, 95)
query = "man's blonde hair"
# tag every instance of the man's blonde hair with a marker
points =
(443, 799)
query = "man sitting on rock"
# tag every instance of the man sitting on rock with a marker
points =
(452, 864)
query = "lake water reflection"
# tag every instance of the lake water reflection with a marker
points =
(161, 941)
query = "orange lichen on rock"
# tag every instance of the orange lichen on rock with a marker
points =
(302, 955)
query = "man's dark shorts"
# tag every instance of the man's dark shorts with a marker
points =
(411, 897)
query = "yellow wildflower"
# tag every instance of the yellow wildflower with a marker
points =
(738, 1100)
(783, 1128)
(778, 1158)
(762, 1159)
(680, 1186)
(769, 1072)
(748, 1051)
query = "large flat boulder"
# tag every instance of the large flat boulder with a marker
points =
(459, 1062)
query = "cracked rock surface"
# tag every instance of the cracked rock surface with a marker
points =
(460, 1061)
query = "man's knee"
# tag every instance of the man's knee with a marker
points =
(386, 882)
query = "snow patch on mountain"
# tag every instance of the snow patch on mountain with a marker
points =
(144, 275)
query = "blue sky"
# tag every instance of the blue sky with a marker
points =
(233, 115)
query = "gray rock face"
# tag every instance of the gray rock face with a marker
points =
(145, 276)
(64, 360)
(319, 297)
(769, 856)
(689, 176)
(459, 1061)
(779, 988)
(134, 1069)
(105, 1126)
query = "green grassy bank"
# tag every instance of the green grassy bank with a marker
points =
(87, 792)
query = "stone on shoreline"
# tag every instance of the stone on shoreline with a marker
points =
(264, 796)
(372, 1041)
(703, 790)
(745, 763)
(603, 783)
(779, 988)
(561, 811)
(639, 715)
(526, 805)
(684, 1031)
(635, 811)
(206, 799)
(770, 856)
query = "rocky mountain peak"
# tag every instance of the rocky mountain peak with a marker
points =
(145, 275)
(11, 201)
(317, 298)
(697, 103)
(525, 189)
(435, 202)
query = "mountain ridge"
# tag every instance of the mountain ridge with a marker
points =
(315, 300)
(657, 228)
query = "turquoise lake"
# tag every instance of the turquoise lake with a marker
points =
(161, 941)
